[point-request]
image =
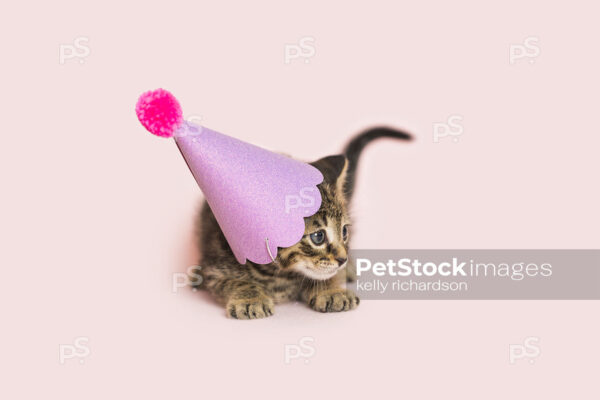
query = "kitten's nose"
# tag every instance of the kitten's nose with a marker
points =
(341, 261)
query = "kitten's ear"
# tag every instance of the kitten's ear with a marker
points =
(334, 170)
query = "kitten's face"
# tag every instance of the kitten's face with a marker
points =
(323, 250)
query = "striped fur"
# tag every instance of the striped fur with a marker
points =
(315, 274)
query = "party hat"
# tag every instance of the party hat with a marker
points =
(259, 198)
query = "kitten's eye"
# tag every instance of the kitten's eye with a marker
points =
(345, 232)
(318, 237)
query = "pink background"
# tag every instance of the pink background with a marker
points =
(97, 215)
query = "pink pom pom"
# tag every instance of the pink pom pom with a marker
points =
(159, 112)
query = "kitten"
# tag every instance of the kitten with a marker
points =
(314, 270)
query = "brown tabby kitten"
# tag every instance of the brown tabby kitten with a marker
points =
(313, 270)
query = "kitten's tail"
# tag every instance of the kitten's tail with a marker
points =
(355, 147)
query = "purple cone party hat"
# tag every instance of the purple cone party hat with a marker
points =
(259, 198)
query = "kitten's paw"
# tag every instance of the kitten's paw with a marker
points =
(334, 301)
(259, 307)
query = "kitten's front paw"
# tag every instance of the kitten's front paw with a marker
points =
(333, 301)
(259, 307)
